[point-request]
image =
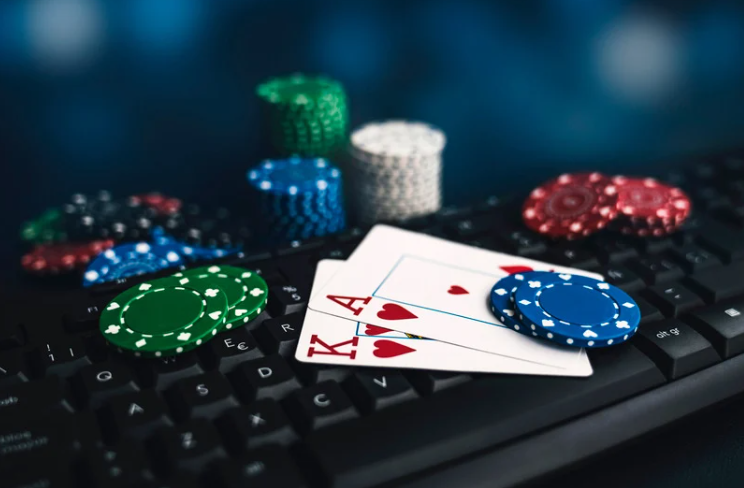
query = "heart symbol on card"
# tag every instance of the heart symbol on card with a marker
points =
(392, 311)
(457, 290)
(516, 269)
(390, 349)
(373, 330)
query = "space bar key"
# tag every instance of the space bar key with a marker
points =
(471, 417)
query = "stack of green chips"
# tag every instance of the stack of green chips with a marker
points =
(47, 227)
(306, 116)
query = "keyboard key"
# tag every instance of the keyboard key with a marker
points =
(161, 373)
(320, 406)
(523, 243)
(206, 395)
(284, 300)
(280, 335)
(675, 347)
(470, 228)
(268, 270)
(352, 235)
(722, 325)
(373, 390)
(673, 299)
(122, 465)
(621, 277)
(723, 241)
(297, 247)
(492, 418)
(704, 171)
(311, 374)
(97, 383)
(656, 269)
(336, 251)
(299, 272)
(417, 223)
(11, 335)
(717, 284)
(37, 397)
(63, 358)
(652, 245)
(572, 255)
(229, 349)
(26, 440)
(451, 212)
(693, 258)
(13, 368)
(188, 447)
(649, 313)
(260, 423)
(267, 467)
(268, 377)
(83, 317)
(135, 415)
(490, 204)
(613, 249)
(428, 382)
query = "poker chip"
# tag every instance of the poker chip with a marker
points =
(502, 297)
(47, 227)
(575, 310)
(305, 115)
(62, 257)
(571, 205)
(246, 291)
(191, 251)
(130, 260)
(160, 203)
(298, 198)
(396, 170)
(164, 317)
(648, 207)
(576, 205)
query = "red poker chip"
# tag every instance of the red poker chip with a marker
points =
(160, 203)
(649, 231)
(61, 257)
(572, 205)
(650, 203)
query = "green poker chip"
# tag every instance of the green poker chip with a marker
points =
(47, 227)
(164, 317)
(305, 115)
(247, 292)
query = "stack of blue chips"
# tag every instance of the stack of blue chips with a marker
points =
(138, 258)
(298, 198)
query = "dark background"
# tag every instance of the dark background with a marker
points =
(140, 95)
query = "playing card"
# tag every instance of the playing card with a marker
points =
(434, 288)
(328, 339)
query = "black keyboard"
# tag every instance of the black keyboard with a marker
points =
(239, 412)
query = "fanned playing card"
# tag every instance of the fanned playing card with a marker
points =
(429, 287)
(328, 339)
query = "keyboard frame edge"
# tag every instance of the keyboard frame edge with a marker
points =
(538, 455)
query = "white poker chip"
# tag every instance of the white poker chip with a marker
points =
(395, 170)
(397, 138)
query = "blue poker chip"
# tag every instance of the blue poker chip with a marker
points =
(295, 176)
(576, 310)
(502, 297)
(298, 198)
(163, 241)
(130, 260)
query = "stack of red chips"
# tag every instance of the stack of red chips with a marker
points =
(576, 205)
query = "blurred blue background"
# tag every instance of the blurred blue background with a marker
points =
(141, 95)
